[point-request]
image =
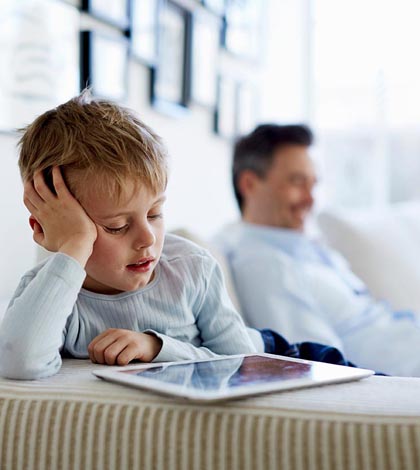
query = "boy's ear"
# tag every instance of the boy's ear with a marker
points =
(32, 222)
(35, 226)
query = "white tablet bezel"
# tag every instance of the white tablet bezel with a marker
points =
(339, 374)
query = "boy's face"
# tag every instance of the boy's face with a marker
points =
(130, 239)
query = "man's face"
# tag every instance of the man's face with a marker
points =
(283, 197)
(130, 239)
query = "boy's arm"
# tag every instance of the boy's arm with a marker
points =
(221, 328)
(59, 222)
(31, 333)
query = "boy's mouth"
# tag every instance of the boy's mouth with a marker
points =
(142, 265)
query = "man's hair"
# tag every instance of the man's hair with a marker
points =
(256, 150)
(89, 137)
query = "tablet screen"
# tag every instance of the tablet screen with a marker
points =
(226, 373)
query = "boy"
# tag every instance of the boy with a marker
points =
(115, 289)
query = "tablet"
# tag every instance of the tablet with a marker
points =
(230, 377)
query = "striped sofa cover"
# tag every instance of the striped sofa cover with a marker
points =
(76, 421)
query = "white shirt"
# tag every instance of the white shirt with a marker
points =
(186, 305)
(306, 292)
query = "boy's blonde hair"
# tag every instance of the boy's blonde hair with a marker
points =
(94, 140)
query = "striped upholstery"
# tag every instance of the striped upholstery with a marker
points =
(76, 421)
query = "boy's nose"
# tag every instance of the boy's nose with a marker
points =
(144, 238)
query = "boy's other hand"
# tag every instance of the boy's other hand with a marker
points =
(59, 222)
(117, 346)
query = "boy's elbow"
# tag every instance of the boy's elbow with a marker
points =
(22, 370)
(24, 367)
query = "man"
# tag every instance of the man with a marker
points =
(292, 284)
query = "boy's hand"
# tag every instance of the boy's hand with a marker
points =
(59, 222)
(116, 346)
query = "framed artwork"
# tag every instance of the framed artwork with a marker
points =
(226, 110)
(205, 54)
(144, 30)
(103, 65)
(247, 108)
(39, 54)
(114, 12)
(237, 107)
(216, 6)
(242, 28)
(170, 81)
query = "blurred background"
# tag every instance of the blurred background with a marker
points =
(202, 72)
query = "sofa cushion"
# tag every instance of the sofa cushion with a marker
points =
(3, 306)
(383, 249)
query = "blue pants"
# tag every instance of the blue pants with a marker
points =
(276, 344)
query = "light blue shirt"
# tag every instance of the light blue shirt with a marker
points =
(305, 291)
(186, 305)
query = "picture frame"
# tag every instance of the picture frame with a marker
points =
(40, 68)
(103, 64)
(171, 77)
(242, 28)
(216, 6)
(113, 12)
(225, 115)
(143, 33)
(246, 107)
(206, 33)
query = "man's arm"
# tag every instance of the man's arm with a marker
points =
(273, 294)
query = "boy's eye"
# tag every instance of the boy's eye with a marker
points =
(155, 216)
(116, 229)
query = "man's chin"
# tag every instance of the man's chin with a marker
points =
(298, 224)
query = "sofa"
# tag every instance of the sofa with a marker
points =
(76, 421)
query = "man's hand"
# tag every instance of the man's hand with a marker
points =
(59, 222)
(116, 346)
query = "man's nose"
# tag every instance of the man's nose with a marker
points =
(309, 197)
(144, 237)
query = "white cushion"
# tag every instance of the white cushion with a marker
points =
(3, 307)
(383, 249)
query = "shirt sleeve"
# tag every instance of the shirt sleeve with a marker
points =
(31, 333)
(273, 294)
(222, 329)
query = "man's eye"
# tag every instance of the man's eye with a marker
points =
(117, 229)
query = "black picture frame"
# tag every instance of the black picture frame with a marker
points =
(206, 33)
(242, 28)
(225, 115)
(104, 64)
(170, 89)
(113, 12)
(143, 32)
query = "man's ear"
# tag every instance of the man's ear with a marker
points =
(247, 181)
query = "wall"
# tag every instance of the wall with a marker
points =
(199, 194)
(200, 197)
(18, 251)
